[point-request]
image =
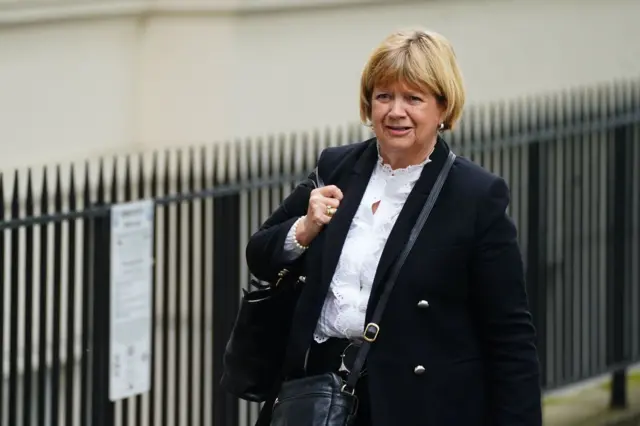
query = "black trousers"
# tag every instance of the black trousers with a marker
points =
(325, 357)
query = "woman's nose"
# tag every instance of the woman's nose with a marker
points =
(397, 108)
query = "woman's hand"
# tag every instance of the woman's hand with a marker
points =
(323, 203)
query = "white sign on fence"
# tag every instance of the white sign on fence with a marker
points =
(131, 292)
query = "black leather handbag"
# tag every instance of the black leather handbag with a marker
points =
(327, 399)
(254, 355)
(255, 352)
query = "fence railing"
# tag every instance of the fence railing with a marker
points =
(572, 161)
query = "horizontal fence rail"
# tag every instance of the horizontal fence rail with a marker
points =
(572, 161)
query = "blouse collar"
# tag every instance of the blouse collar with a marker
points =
(409, 170)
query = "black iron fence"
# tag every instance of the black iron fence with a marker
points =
(572, 161)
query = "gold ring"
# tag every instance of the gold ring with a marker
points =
(330, 211)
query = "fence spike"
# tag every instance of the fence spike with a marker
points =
(242, 158)
(154, 174)
(252, 163)
(232, 162)
(87, 186)
(493, 120)
(192, 166)
(15, 196)
(626, 91)
(58, 191)
(239, 159)
(101, 190)
(179, 180)
(114, 182)
(127, 178)
(2, 206)
(218, 162)
(44, 192)
(72, 188)
(167, 172)
(29, 203)
(314, 146)
(527, 115)
(141, 177)
(514, 119)
(203, 169)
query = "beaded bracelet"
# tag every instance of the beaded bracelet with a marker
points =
(295, 233)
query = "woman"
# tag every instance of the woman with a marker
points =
(456, 342)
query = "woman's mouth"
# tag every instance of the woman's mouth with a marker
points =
(398, 130)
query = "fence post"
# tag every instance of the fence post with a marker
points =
(101, 406)
(226, 297)
(536, 236)
(617, 263)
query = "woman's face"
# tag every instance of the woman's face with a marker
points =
(405, 122)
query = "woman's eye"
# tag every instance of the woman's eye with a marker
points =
(415, 99)
(382, 96)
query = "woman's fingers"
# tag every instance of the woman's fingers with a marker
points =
(331, 202)
(320, 212)
(331, 191)
(323, 204)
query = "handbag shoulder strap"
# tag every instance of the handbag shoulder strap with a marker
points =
(372, 329)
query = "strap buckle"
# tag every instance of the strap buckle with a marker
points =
(347, 389)
(371, 332)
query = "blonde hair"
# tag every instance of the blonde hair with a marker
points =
(422, 59)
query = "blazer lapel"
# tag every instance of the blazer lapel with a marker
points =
(353, 185)
(406, 219)
(336, 231)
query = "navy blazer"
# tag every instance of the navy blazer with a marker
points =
(474, 336)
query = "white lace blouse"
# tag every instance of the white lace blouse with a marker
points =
(344, 309)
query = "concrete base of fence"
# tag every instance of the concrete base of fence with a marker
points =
(590, 406)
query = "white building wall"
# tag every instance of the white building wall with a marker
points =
(301, 69)
(137, 75)
(66, 90)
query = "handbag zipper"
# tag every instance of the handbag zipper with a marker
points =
(279, 401)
